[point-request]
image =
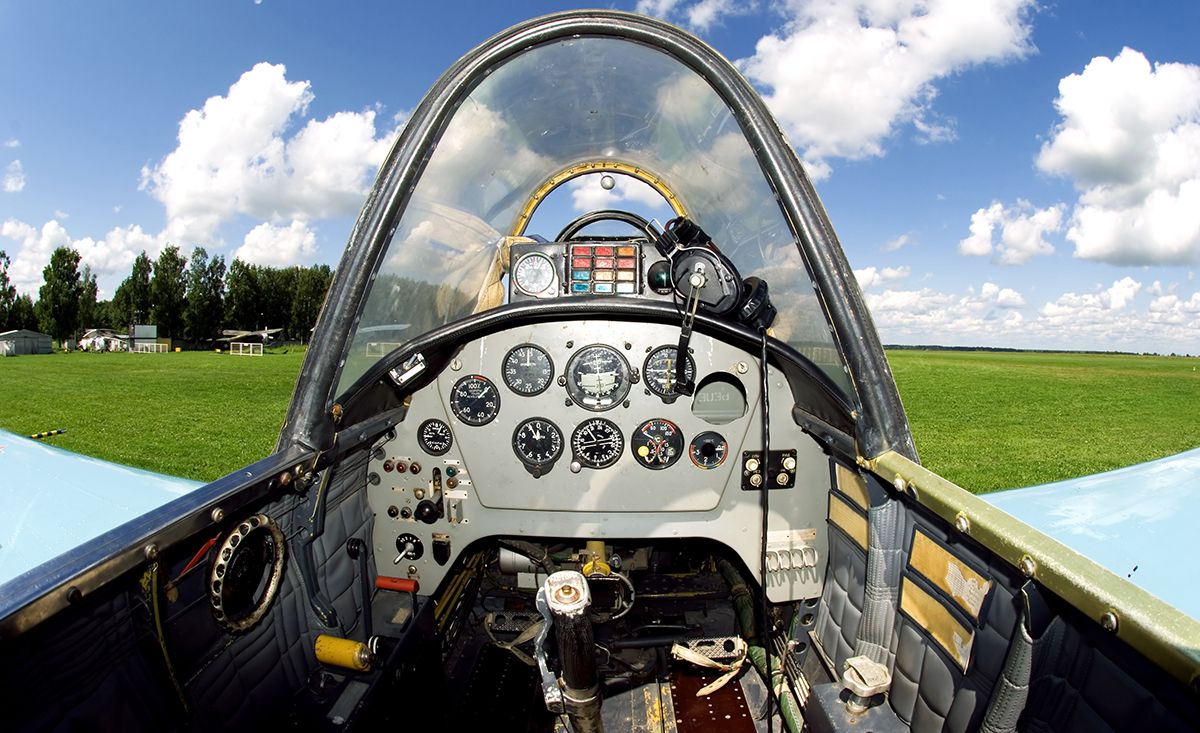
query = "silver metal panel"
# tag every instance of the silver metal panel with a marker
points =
(497, 496)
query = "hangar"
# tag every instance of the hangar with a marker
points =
(23, 341)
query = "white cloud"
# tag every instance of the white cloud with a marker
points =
(278, 246)
(588, 195)
(12, 142)
(871, 276)
(234, 157)
(14, 177)
(110, 257)
(1022, 230)
(1130, 140)
(60, 214)
(897, 242)
(843, 76)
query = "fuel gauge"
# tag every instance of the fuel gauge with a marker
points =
(708, 450)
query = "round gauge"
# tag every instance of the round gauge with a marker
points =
(537, 442)
(534, 274)
(597, 377)
(661, 367)
(434, 437)
(657, 443)
(597, 443)
(475, 400)
(708, 450)
(528, 370)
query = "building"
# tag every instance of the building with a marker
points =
(22, 341)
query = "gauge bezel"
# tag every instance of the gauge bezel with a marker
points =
(421, 436)
(553, 274)
(504, 369)
(652, 384)
(454, 400)
(633, 442)
(576, 393)
(692, 450)
(543, 464)
(588, 463)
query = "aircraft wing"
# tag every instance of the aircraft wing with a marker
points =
(1138, 521)
(54, 500)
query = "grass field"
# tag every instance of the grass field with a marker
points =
(984, 420)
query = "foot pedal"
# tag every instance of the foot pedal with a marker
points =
(716, 648)
(508, 622)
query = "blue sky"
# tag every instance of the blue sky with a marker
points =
(1000, 173)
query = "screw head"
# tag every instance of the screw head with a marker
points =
(217, 514)
(1028, 566)
(1109, 621)
(962, 524)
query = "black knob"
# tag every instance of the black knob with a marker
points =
(426, 512)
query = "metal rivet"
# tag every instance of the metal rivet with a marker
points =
(962, 524)
(74, 595)
(455, 365)
(150, 551)
(217, 514)
(742, 367)
(900, 484)
(1028, 566)
(1109, 621)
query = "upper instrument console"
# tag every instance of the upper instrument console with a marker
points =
(587, 267)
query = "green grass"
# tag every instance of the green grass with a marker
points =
(993, 420)
(984, 420)
(195, 414)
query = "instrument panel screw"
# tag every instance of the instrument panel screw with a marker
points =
(217, 514)
(1028, 566)
(412, 569)
(570, 344)
(900, 484)
(562, 381)
(628, 346)
(456, 365)
(150, 551)
(962, 523)
(1109, 621)
(74, 595)
(742, 367)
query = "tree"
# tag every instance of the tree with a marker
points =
(241, 300)
(131, 302)
(168, 292)
(88, 310)
(311, 285)
(23, 314)
(275, 298)
(58, 299)
(8, 294)
(206, 284)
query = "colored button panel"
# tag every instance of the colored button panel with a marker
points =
(604, 251)
(626, 251)
(580, 275)
(627, 263)
(581, 262)
(623, 288)
(625, 275)
(602, 288)
(606, 262)
(579, 287)
(602, 275)
(581, 251)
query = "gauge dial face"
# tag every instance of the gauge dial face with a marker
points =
(708, 450)
(528, 370)
(475, 400)
(434, 437)
(660, 369)
(597, 378)
(597, 443)
(534, 274)
(657, 443)
(537, 442)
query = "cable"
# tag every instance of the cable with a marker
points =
(764, 625)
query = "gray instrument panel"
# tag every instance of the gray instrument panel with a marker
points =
(485, 489)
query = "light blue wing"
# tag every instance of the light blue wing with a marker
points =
(52, 500)
(1140, 522)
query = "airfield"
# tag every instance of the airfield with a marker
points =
(985, 420)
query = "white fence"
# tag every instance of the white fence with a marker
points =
(150, 348)
(242, 348)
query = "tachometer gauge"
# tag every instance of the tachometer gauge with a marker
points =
(597, 377)
(475, 400)
(708, 450)
(434, 437)
(538, 443)
(657, 443)
(534, 274)
(660, 369)
(528, 370)
(597, 443)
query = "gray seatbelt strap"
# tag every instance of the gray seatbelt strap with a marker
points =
(885, 541)
(1011, 692)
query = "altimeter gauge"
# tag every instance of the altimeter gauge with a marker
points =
(434, 437)
(708, 450)
(597, 443)
(538, 443)
(528, 370)
(598, 378)
(661, 368)
(534, 274)
(475, 400)
(657, 443)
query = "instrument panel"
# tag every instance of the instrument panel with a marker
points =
(574, 429)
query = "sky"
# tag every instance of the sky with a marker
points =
(1000, 172)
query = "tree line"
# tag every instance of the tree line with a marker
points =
(191, 300)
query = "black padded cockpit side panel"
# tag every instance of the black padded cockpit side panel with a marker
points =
(842, 600)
